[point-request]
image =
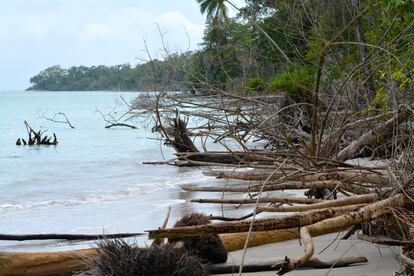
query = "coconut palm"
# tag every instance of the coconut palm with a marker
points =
(214, 9)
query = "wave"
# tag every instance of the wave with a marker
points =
(93, 197)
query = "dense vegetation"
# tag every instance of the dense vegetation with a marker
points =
(156, 75)
(274, 46)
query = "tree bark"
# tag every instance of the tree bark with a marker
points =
(268, 224)
(271, 265)
(345, 176)
(290, 265)
(261, 200)
(329, 184)
(45, 263)
(359, 199)
(69, 237)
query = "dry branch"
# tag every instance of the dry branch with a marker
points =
(120, 125)
(297, 200)
(359, 199)
(372, 135)
(260, 265)
(290, 265)
(385, 241)
(330, 184)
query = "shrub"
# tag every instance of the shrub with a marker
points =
(297, 83)
(257, 84)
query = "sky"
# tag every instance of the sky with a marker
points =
(36, 34)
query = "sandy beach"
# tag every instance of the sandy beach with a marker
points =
(381, 259)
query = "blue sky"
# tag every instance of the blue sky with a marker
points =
(35, 34)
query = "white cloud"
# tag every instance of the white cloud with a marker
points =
(36, 34)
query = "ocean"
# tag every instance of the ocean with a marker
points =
(93, 181)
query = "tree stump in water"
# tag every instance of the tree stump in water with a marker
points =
(36, 138)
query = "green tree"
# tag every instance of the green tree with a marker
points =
(215, 10)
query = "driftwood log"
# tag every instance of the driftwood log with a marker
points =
(69, 237)
(269, 265)
(61, 263)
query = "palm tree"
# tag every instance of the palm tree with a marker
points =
(216, 10)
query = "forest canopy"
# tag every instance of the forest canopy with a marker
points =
(270, 46)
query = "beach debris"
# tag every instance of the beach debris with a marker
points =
(339, 195)
(36, 138)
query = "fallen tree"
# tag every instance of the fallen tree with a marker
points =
(69, 237)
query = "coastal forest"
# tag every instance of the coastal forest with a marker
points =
(268, 46)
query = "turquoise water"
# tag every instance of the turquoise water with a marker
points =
(93, 181)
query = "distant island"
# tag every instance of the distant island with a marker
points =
(155, 75)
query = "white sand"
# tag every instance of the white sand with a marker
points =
(381, 259)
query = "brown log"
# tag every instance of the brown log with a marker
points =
(270, 265)
(297, 200)
(44, 263)
(236, 241)
(344, 176)
(231, 157)
(329, 184)
(61, 263)
(359, 199)
(266, 224)
(69, 237)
